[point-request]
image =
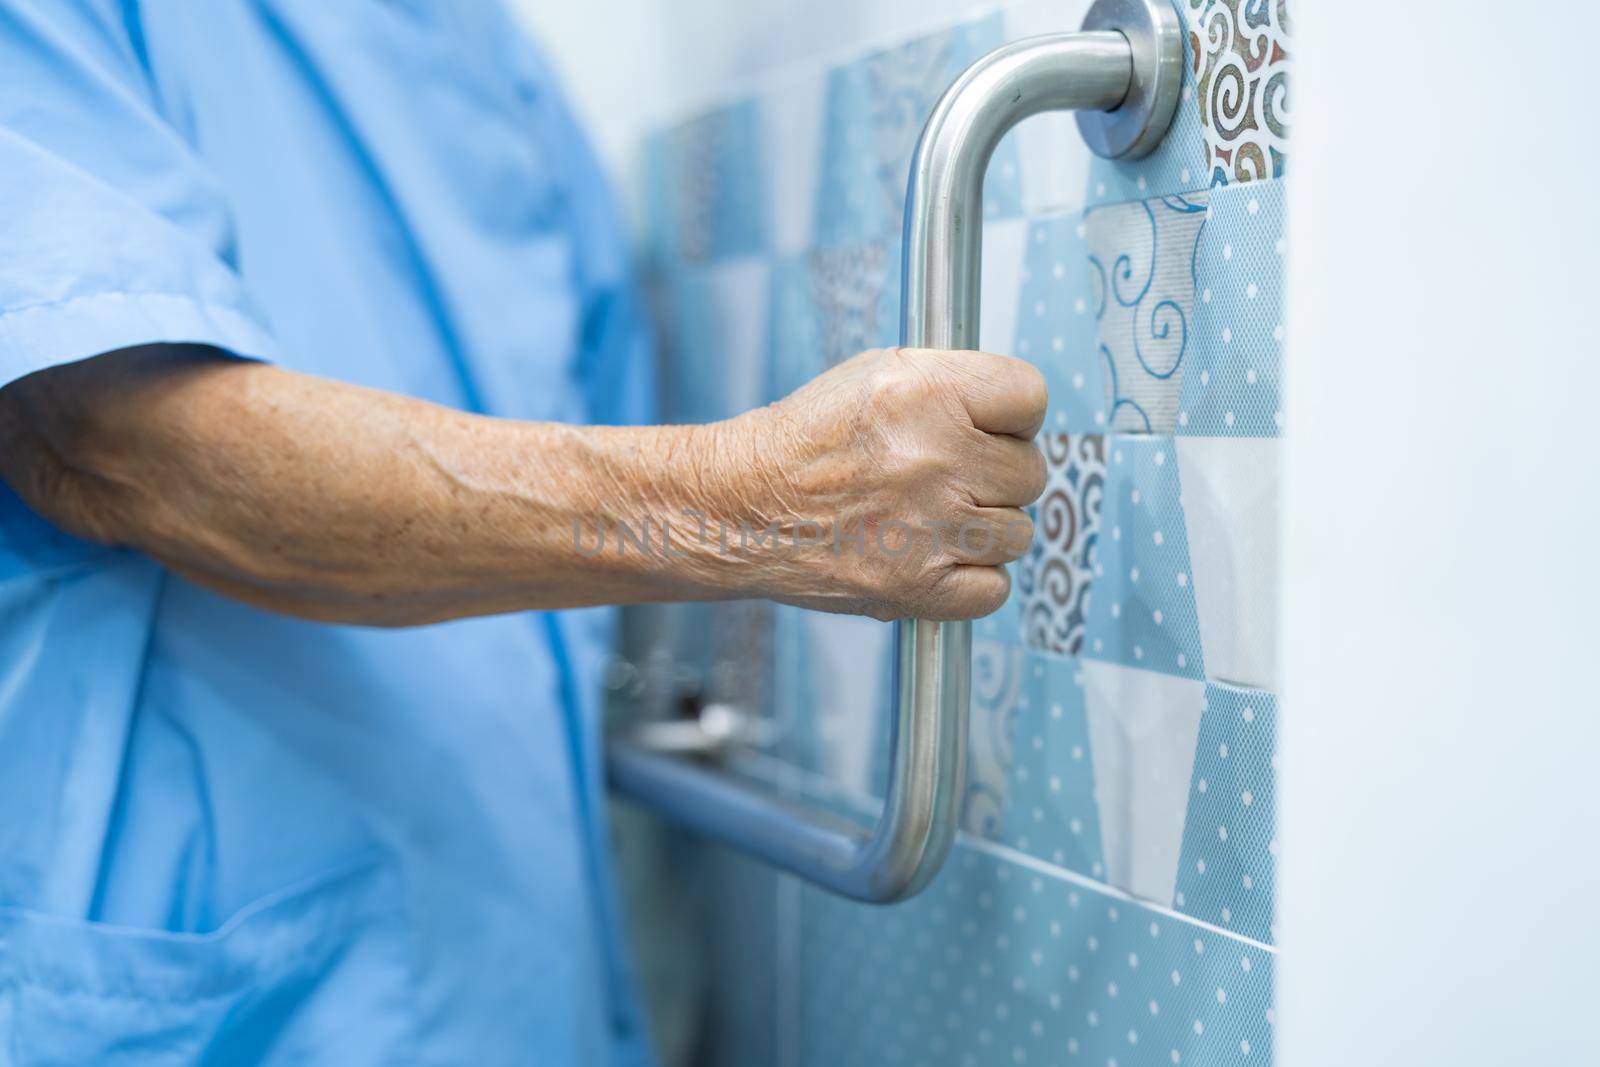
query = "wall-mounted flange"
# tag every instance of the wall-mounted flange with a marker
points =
(1133, 128)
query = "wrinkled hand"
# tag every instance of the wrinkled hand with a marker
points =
(895, 483)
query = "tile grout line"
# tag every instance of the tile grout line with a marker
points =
(812, 782)
(1033, 863)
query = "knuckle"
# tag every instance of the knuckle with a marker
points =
(896, 391)
(1016, 545)
(992, 594)
(1031, 394)
(913, 463)
(1038, 475)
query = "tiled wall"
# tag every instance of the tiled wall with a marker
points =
(1111, 898)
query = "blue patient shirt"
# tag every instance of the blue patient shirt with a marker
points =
(231, 837)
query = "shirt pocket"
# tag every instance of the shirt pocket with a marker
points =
(319, 972)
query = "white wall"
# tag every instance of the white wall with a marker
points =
(630, 65)
(1441, 790)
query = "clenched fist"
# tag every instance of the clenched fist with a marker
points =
(890, 486)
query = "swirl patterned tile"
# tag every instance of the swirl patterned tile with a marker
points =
(1142, 259)
(1142, 608)
(997, 686)
(1232, 120)
(1232, 386)
(1239, 60)
(996, 963)
(827, 305)
(1230, 844)
(873, 113)
(1054, 578)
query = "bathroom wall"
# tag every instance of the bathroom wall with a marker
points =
(1111, 895)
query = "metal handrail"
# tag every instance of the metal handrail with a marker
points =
(1121, 73)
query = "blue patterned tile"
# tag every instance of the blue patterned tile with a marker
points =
(1142, 259)
(1056, 325)
(1030, 782)
(1232, 386)
(1230, 845)
(703, 186)
(997, 688)
(1239, 66)
(996, 963)
(1142, 607)
(1232, 121)
(1179, 163)
(829, 304)
(1054, 580)
(873, 114)
(1052, 812)
(744, 937)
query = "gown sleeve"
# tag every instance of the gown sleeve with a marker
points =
(112, 232)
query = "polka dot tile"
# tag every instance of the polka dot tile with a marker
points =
(1231, 388)
(998, 964)
(742, 939)
(1141, 605)
(1230, 839)
(1056, 325)
(1050, 809)
(1178, 165)
(997, 698)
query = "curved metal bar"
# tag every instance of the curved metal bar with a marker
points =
(943, 236)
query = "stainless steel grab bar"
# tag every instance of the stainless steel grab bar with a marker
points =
(1122, 74)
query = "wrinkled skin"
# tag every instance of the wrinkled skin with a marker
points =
(927, 455)
(333, 502)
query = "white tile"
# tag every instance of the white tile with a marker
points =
(1145, 253)
(847, 658)
(1230, 507)
(1029, 18)
(1055, 162)
(791, 131)
(1142, 732)
(997, 683)
(741, 289)
(1004, 249)
(1053, 157)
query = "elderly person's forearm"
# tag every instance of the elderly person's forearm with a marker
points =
(329, 501)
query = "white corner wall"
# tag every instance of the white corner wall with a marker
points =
(1441, 785)
(632, 65)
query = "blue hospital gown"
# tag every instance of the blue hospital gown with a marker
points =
(231, 837)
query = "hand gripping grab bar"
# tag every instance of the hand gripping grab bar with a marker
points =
(1121, 73)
